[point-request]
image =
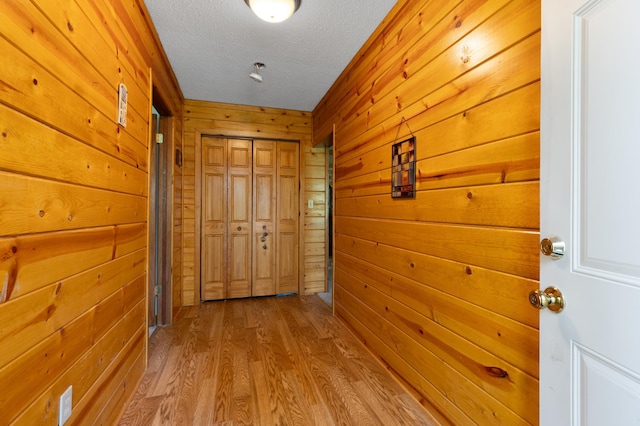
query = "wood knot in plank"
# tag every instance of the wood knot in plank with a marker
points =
(496, 372)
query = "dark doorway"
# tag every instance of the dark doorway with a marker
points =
(160, 207)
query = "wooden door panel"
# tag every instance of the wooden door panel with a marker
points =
(287, 217)
(240, 154)
(215, 202)
(264, 225)
(288, 200)
(288, 263)
(213, 268)
(264, 277)
(240, 217)
(214, 236)
(213, 155)
(288, 157)
(239, 284)
(264, 204)
(263, 243)
(214, 225)
(264, 155)
(240, 200)
(238, 268)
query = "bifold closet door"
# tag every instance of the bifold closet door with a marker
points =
(264, 215)
(287, 216)
(240, 217)
(250, 216)
(226, 218)
(275, 229)
(213, 230)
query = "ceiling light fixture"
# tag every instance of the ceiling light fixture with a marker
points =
(273, 10)
(256, 74)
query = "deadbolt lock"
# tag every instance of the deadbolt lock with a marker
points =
(552, 247)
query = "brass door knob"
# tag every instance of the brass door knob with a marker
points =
(550, 298)
(552, 247)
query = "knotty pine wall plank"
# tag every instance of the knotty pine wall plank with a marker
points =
(508, 205)
(429, 395)
(34, 261)
(67, 111)
(510, 70)
(89, 368)
(36, 205)
(22, 146)
(473, 284)
(134, 22)
(47, 41)
(437, 285)
(478, 325)
(483, 408)
(178, 215)
(315, 219)
(65, 300)
(74, 191)
(238, 113)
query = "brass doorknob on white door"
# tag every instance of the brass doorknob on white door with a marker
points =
(552, 247)
(550, 298)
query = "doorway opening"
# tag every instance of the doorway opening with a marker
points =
(160, 216)
(327, 295)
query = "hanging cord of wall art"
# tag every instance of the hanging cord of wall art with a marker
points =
(403, 120)
(403, 165)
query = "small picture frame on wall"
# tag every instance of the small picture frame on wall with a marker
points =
(403, 168)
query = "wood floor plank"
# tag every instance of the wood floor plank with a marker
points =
(322, 416)
(191, 383)
(224, 390)
(203, 412)
(266, 361)
(357, 411)
(297, 405)
(264, 416)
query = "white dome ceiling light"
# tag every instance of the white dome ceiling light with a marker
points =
(273, 10)
(256, 74)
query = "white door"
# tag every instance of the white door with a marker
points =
(590, 197)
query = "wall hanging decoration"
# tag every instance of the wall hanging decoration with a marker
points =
(403, 166)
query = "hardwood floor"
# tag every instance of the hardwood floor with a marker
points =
(266, 361)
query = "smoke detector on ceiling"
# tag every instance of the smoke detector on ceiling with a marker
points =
(256, 74)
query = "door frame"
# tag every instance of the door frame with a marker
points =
(329, 144)
(199, 133)
(165, 215)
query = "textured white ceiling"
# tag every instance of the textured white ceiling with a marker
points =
(213, 44)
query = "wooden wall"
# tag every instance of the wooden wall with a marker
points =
(254, 122)
(437, 286)
(176, 264)
(73, 204)
(315, 219)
